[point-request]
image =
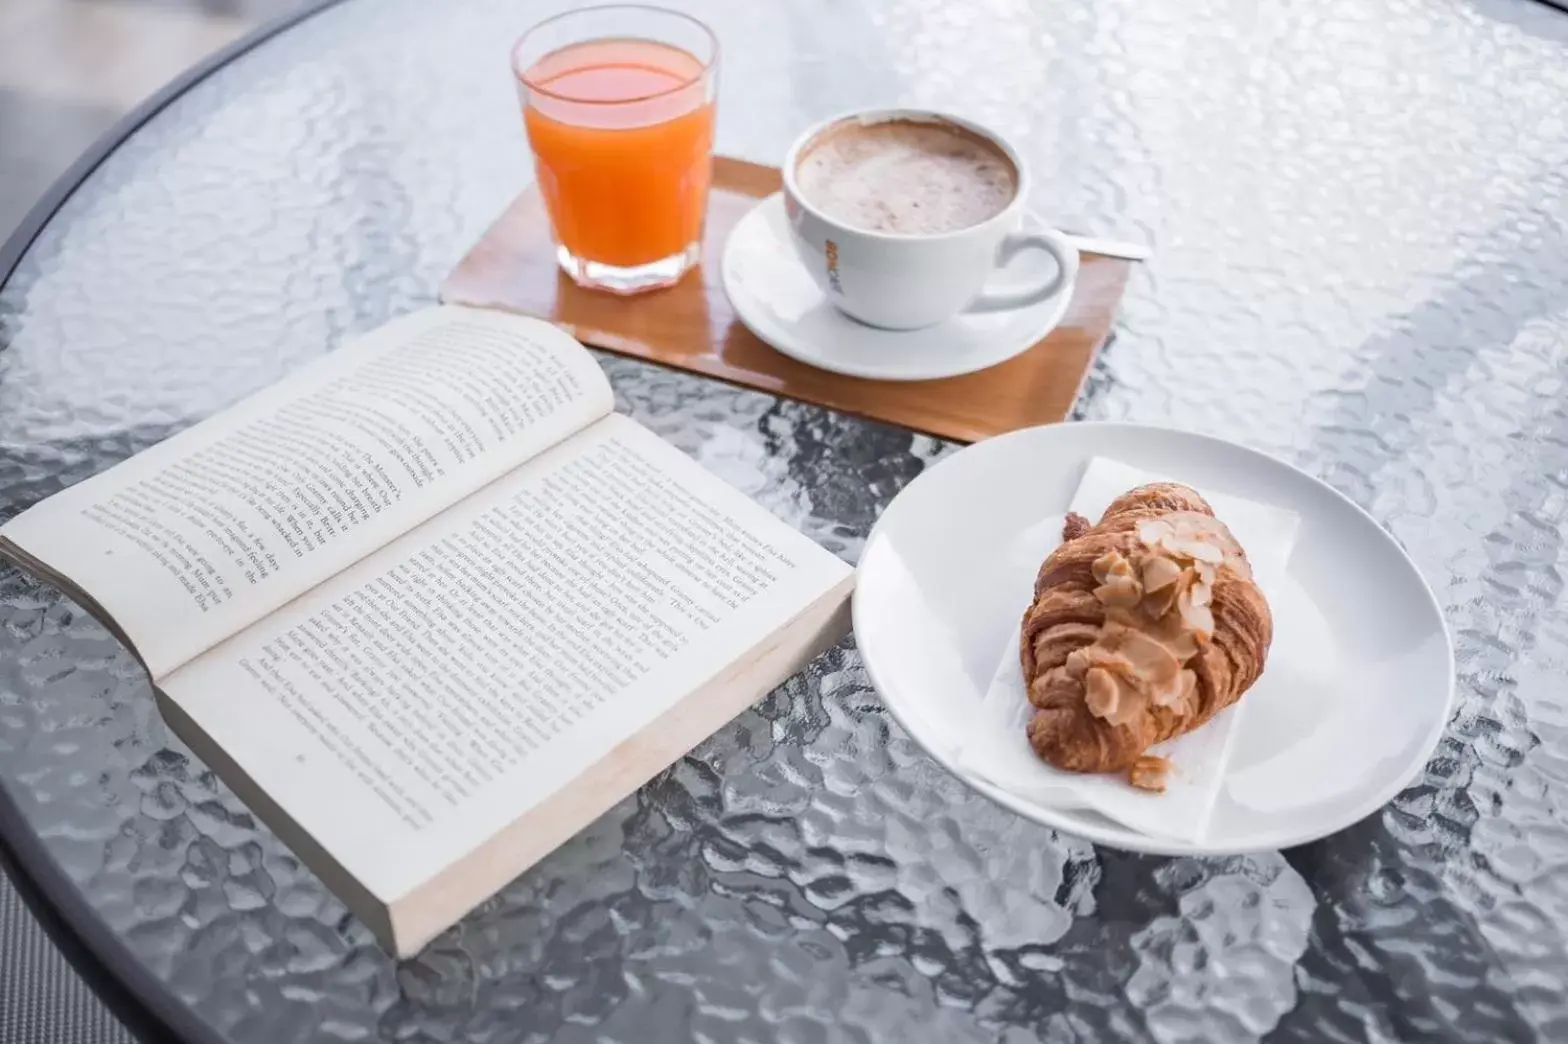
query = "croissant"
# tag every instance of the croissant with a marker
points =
(1143, 627)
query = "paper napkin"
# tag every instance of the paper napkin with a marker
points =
(998, 750)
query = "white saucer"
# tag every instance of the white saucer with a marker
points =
(936, 601)
(775, 297)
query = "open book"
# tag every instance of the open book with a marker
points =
(430, 607)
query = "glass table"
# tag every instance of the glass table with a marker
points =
(1360, 215)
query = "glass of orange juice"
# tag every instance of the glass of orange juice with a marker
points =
(618, 102)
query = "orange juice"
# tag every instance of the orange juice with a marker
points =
(622, 136)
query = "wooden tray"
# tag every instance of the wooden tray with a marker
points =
(691, 326)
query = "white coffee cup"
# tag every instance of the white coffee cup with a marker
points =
(904, 282)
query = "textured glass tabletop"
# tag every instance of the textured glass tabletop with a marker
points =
(1360, 216)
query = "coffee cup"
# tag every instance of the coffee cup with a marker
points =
(903, 217)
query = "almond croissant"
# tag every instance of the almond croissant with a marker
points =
(1143, 627)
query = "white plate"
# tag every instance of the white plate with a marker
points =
(934, 606)
(775, 297)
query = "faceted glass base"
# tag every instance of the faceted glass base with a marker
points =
(666, 271)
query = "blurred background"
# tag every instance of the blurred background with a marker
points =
(69, 69)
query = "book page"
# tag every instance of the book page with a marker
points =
(410, 708)
(203, 534)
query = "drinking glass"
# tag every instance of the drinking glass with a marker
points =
(618, 102)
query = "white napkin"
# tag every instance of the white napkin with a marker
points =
(998, 749)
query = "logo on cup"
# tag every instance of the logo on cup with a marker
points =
(833, 267)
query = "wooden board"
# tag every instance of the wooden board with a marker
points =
(691, 326)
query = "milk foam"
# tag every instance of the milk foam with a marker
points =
(904, 177)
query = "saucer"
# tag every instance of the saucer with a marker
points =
(940, 586)
(775, 297)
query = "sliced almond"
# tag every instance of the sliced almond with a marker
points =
(1102, 695)
(1159, 572)
(1121, 592)
(1186, 646)
(1147, 658)
(1201, 594)
(1110, 564)
(1197, 550)
(1149, 773)
(1152, 532)
(1198, 617)
(1158, 603)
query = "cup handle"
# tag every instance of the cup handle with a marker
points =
(1053, 243)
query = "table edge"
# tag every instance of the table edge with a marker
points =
(28, 857)
(63, 187)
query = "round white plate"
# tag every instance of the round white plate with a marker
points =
(775, 297)
(934, 606)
